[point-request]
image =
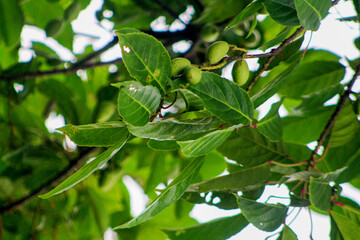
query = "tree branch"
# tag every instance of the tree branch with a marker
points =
(72, 69)
(274, 53)
(333, 117)
(97, 53)
(52, 181)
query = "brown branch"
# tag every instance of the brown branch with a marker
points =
(333, 117)
(72, 69)
(52, 181)
(274, 53)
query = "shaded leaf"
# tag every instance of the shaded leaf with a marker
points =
(313, 76)
(250, 148)
(137, 102)
(224, 99)
(170, 195)
(96, 135)
(320, 194)
(310, 12)
(283, 12)
(271, 125)
(87, 169)
(11, 22)
(146, 59)
(223, 199)
(296, 201)
(218, 229)
(243, 180)
(247, 12)
(266, 217)
(204, 144)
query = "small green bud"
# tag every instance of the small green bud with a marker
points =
(178, 65)
(72, 11)
(240, 72)
(54, 27)
(192, 75)
(209, 32)
(217, 51)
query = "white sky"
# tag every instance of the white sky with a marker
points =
(332, 35)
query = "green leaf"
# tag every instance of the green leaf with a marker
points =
(192, 101)
(283, 12)
(172, 129)
(275, 85)
(348, 227)
(218, 229)
(224, 99)
(137, 102)
(278, 39)
(288, 234)
(303, 128)
(166, 145)
(305, 175)
(95, 135)
(146, 59)
(313, 76)
(243, 180)
(310, 12)
(271, 125)
(87, 169)
(345, 127)
(251, 9)
(296, 201)
(204, 144)
(250, 148)
(317, 99)
(266, 217)
(170, 195)
(11, 22)
(320, 194)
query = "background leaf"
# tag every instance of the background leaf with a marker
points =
(320, 194)
(218, 229)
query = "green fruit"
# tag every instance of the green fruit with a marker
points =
(217, 51)
(72, 11)
(254, 40)
(240, 72)
(192, 75)
(54, 27)
(209, 33)
(178, 65)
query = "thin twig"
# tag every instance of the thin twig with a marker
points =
(72, 69)
(43, 187)
(169, 10)
(97, 53)
(333, 117)
(274, 52)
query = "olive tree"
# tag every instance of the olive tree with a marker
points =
(184, 124)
